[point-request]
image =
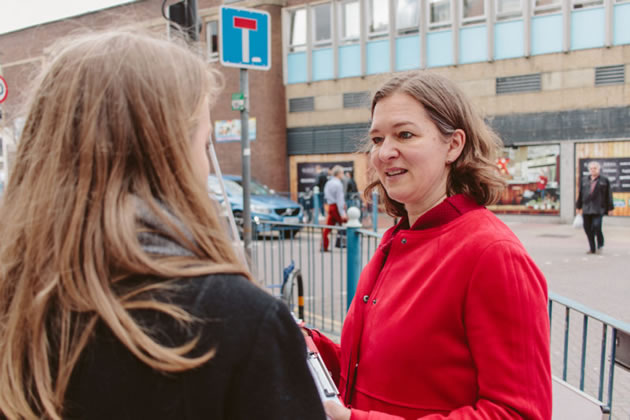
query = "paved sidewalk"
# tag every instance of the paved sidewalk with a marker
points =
(601, 282)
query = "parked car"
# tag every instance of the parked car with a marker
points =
(265, 204)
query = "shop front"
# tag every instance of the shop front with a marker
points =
(533, 180)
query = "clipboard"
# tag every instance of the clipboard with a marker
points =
(325, 385)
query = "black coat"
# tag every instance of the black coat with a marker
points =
(259, 370)
(600, 201)
(321, 180)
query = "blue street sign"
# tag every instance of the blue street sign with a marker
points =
(245, 36)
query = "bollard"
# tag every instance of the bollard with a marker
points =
(316, 205)
(354, 253)
(375, 210)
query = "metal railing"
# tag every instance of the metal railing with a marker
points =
(586, 348)
(585, 344)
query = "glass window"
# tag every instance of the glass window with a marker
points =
(407, 16)
(473, 10)
(533, 180)
(321, 24)
(379, 17)
(541, 6)
(212, 39)
(232, 188)
(578, 4)
(350, 20)
(508, 8)
(439, 13)
(297, 30)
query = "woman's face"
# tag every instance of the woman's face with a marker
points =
(200, 142)
(410, 154)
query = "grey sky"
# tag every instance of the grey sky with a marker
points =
(18, 14)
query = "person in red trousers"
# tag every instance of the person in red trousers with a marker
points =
(449, 319)
(334, 195)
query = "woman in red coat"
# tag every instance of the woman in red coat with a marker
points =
(450, 315)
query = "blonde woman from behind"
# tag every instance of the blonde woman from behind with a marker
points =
(120, 295)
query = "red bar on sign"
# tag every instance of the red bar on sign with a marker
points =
(244, 23)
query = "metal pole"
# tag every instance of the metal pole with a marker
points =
(245, 156)
(316, 205)
(193, 7)
(353, 243)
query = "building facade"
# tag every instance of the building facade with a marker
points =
(550, 76)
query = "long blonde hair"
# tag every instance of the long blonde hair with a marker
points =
(109, 125)
(474, 172)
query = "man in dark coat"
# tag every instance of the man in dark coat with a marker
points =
(594, 200)
(322, 177)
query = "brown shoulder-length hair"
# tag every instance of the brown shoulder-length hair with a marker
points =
(474, 172)
(109, 126)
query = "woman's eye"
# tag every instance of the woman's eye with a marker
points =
(377, 140)
(405, 135)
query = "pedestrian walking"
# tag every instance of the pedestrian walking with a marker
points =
(323, 174)
(449, 318)
(336, 202)
(593, 202)
(121, 296)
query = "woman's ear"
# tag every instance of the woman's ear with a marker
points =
(456, 145)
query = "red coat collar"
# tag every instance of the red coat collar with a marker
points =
(445, 212)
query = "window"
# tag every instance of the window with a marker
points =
(297, 30)
(579, 4)
(378, 18)
(321, 14)
(439, 13)
(545, 6)
(407, 16)
(508, 8)
(533, 180)
(473, 10)
(350, 21)
(212, 39)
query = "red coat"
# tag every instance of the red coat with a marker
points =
(447, 322)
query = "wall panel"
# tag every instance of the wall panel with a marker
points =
(588, 28)
(440, 48)
(509, 39)
(407, 52)
(323, 64)
(473, 45)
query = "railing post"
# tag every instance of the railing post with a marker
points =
(316, 205)
(375, 210)
(354, 253)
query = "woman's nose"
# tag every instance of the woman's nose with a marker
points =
(388, 149)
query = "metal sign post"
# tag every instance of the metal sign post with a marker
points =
(246, 162)
(245, 36)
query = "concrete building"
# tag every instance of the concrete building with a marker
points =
(551, 76)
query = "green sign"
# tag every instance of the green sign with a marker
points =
(238, 102)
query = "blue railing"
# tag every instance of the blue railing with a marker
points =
(584, 343)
